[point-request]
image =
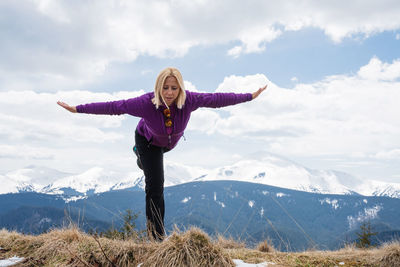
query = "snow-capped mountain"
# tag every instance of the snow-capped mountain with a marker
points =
(277, 172)
(96, 179)
(72, 186)
(30, 178)
(269, 169)
(262, 168)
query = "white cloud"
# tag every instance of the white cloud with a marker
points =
(238, 84)
(389, 154)
(146, 72)
(24, 151)
(254, 40)
(190, 87)
(31, 116)
(338, 115)
(377, 70)
(56, 45)
(235, 51)
(204, 120)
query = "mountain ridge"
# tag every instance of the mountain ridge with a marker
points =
(261, 168)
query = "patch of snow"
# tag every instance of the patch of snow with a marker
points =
(281, 195)
(365, 201)
(10, 261)
(251, 203)
(265, 193)
(186, 199)
(262, 211)
(129, 182)
(334, 202)
(45, 220)
(74, 198)
(372, 213)
(240, 263)
(221, 203)
(368, 214)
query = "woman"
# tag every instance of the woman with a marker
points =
(164, 116)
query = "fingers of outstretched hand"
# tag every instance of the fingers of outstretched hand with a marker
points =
(262, 89)
(259, 91)
(66, 106)
(61, 103)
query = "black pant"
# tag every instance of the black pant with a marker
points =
(151, 158)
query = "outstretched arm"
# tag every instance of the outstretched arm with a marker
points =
(218, 100)
(259, 91)
(137, 106)
(67, 107)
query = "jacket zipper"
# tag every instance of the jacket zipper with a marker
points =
(172, 130)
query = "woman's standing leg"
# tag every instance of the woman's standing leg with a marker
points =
(151, 158)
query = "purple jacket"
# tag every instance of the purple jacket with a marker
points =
(152, 124)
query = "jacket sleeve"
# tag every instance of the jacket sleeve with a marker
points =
(217, 100)
(133, 106)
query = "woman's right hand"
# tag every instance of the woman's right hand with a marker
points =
(67, 107)
(259, 91)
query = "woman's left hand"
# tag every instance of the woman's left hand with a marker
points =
(259, 91)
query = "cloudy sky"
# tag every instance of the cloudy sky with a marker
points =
(332, 69)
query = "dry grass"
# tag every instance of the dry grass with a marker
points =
(391, 255)
(192, 248)
(387, 255)
(71, 247)
(229, 243)
(266, 246)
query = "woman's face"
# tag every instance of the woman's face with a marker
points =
(170, 90)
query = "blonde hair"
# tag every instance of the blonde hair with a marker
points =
(158, 99)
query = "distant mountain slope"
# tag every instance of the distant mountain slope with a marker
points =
(294, 220)
(34, 213)
(36, 220)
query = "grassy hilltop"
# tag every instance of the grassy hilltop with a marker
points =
(72, 247)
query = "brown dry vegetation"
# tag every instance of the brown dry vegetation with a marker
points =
(71, 247)
(229, 243)
(266, 246)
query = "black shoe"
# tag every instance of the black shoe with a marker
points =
(138, 162)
